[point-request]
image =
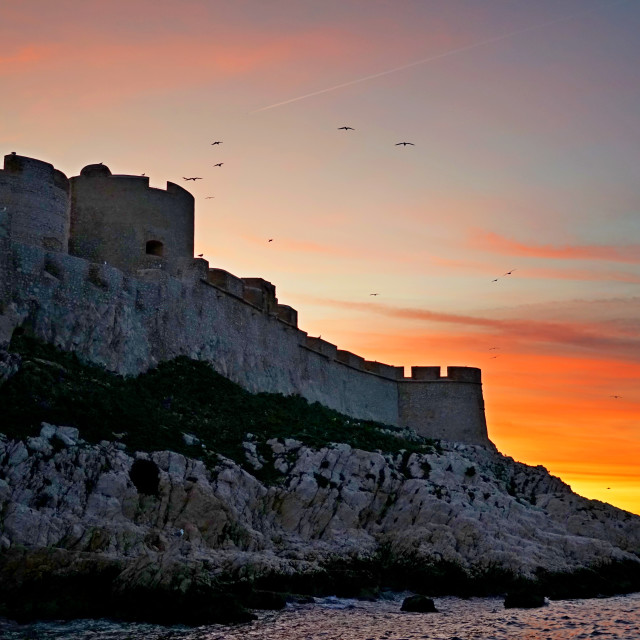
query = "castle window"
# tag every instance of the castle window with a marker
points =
(155, 248)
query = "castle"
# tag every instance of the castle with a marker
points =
(102, 265)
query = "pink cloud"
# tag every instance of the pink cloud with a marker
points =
(583, 335)
(23, 58)
(499, 244)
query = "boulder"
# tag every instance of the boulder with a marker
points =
(418, 604)
(524, 600)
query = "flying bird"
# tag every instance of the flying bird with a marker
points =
(217, 142)
(404, 144)
(270, 240)
(374, 294)
(209, 197)
(493, 348)
(219, 164)
(200, 255)
(615, 396)
(346, 128)
(495, 280)
(509, 272)
(191, 178)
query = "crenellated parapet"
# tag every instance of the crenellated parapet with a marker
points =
(454, 374)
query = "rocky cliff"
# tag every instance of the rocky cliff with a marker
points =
(461, 517)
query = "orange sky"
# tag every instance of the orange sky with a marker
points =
(525, 127)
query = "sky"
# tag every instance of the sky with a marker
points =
(505, 237)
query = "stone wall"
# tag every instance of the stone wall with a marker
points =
(129, 324)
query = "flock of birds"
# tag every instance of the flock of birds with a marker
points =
(345, 128)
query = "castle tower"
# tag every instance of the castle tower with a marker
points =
(447, 407)
(120, 220)
(34, 198)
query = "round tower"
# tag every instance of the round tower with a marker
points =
(120, 220)
(35, 198)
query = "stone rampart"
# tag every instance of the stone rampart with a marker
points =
(128, 324)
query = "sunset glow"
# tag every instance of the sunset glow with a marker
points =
(507, 237)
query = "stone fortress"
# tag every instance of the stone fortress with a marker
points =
(102, 265)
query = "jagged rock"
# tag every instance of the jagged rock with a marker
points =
(47, 431)
(40, 445)
(339, 520)
(418, 604)
(9, 365)
(67, 435)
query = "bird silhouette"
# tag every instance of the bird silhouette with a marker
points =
(209, 197)
(493, 348)
(495, 280)
(191, 178)
(219, 164)
(270, 240)
(200, 255)
(615, 396)
(346, 128)
(509, 272)
(404, 144)
(217, 142)
(374, 294)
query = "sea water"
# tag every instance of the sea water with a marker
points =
(338, 619)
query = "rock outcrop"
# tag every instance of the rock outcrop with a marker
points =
(164, 521)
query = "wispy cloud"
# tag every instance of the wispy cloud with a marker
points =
(576, 334)
(23, 58)
(499, 244)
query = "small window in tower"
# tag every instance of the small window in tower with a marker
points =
(155, 248)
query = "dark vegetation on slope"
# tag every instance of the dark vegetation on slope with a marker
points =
(154, 409)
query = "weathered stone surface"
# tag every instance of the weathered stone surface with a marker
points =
(332, 504)
(332, 500)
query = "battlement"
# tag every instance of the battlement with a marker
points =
(454, 374)
(98, 173)
(260, 293)
(36, 170)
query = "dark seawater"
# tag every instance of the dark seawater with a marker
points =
(333, 619)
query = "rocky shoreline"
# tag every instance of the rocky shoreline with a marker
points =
(91, 529)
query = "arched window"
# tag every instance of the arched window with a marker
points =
(155, 248)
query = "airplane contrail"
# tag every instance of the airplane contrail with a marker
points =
(444, 54)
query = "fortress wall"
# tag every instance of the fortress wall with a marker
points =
(128, 324)
(447, 408)
(114, 217)
(36, 197)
